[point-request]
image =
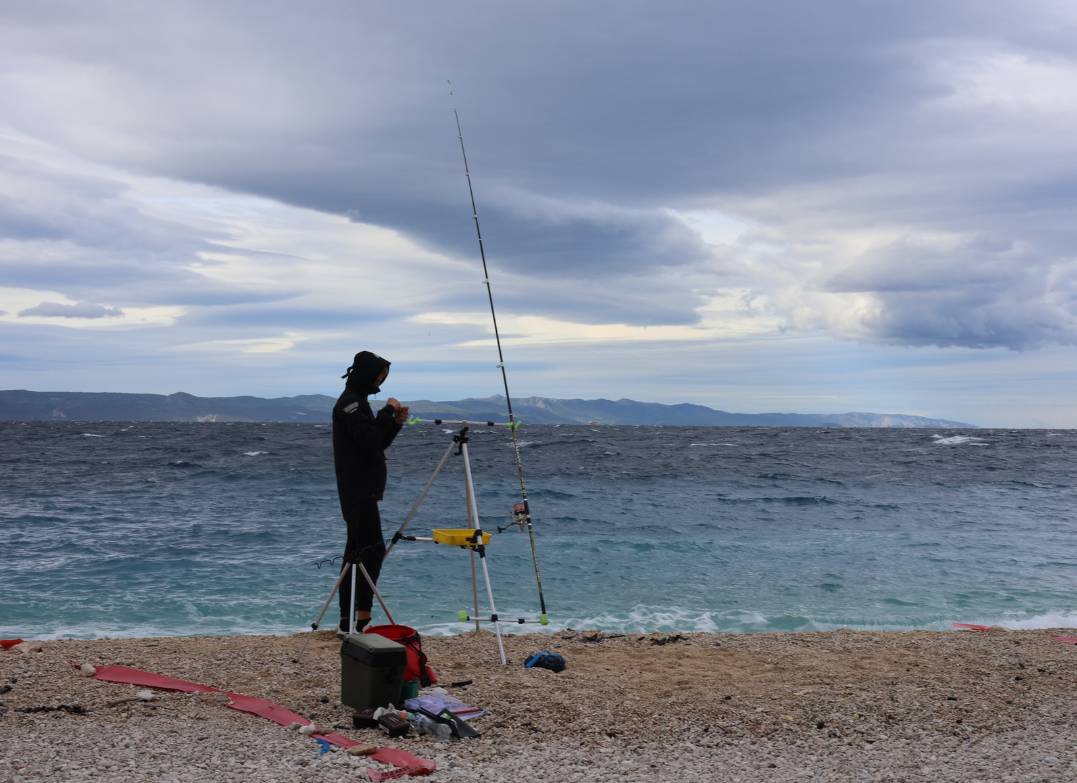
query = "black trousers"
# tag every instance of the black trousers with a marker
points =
(365, 545)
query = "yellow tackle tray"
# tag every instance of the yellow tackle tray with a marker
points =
(458, 536)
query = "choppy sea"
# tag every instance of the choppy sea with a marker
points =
(160, 529)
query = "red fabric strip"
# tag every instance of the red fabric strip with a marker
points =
(406, 763)
(6, 643)
(266, 709)
(131, 676)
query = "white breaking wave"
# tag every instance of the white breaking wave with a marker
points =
(221, 627)
(640, 619)
(958, 440)
(254, 453)
(657, 619)
(91, 435)
(1013, 621)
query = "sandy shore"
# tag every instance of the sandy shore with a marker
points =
(995, 706)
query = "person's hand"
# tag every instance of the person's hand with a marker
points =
(393, 403)
(401, 415)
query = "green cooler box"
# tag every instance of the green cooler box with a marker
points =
(371, 671)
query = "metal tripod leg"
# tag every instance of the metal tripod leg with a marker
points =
(481, 548)
(351, 603)
(374, 591)
(325, 607)
(336, 586)
(418, 501)
(472, 523)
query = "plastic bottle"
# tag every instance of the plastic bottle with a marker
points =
(426, 725)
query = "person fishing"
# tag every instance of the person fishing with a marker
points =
(360, 438)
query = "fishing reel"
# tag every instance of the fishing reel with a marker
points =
(521, 517)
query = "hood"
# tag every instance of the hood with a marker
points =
(362, 376)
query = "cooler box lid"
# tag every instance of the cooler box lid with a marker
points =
(373, 649)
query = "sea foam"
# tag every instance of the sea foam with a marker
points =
(958, 440)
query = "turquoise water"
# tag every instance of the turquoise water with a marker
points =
(150, 529)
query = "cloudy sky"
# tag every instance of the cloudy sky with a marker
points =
(810, 207)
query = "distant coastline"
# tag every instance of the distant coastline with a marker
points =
(22, 405)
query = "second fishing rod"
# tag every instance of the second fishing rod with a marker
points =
(522, 510)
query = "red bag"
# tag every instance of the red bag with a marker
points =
(416, 668)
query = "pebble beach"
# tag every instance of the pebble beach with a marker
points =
(838, 705)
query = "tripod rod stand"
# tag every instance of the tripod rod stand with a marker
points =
(474, 541)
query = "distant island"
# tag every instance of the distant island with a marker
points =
(20, 405)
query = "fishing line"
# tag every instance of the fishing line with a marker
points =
(522, 510)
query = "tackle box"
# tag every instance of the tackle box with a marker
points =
(371, 671)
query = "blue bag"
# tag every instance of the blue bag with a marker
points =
(544, 659)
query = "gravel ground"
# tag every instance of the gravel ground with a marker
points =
(994, 706)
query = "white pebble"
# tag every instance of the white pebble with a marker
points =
(309, 729)
(87, 670)
(146, 695)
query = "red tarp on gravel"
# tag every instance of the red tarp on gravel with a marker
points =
(406, 763)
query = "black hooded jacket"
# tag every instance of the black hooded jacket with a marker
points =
(360, 437)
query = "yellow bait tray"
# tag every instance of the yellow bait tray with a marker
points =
(458, 536)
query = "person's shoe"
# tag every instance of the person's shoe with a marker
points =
(342, 626)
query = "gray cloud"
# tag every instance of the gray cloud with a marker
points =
(865, 144)
(957, 319)
(906, 266)
(79, 310)
(288, 317)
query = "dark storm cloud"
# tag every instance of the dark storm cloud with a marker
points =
(524, 232)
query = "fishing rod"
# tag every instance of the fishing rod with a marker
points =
(522, 510)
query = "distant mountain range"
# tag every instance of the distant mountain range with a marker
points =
(18, 405)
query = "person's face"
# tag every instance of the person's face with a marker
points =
(382, 376)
